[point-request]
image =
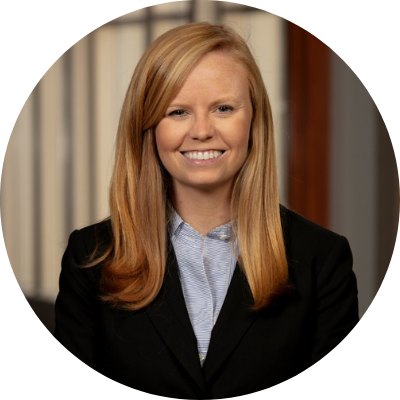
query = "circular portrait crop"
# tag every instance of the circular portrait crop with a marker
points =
(199, 200)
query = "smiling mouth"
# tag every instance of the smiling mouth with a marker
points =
(203, 155)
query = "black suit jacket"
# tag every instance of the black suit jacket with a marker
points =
(154, 350)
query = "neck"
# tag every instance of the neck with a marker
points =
(203, 210)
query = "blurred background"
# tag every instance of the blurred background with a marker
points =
(335, 160)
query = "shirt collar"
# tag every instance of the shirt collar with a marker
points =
(175, 223)
(220, 232)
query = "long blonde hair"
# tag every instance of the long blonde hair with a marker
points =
(135, 261)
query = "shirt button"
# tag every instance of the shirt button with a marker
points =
(223, 237)
(201, 356)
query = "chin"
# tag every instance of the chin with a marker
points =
(209, 185)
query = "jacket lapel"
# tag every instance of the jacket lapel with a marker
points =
(233, 322)
(169, 316)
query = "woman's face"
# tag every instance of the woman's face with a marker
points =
(203, 137)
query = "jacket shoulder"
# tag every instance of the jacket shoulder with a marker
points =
(307, 243)
(304, 238)
(90, 242)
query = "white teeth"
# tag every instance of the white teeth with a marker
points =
(199, 155)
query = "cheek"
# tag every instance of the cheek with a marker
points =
(241, 145)
(241, 139)
(165, 147)
(159, 144)
(167, 136)
(161, 141)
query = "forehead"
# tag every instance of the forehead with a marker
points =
(216, 71)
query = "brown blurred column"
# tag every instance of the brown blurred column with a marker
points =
(308, 94)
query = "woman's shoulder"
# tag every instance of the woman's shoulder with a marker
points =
(80, 272)
(304, 236)
(317, 256)
(90, 241)
(297, 222)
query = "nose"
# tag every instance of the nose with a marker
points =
(202, 128)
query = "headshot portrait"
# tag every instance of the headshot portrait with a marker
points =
(199, 200)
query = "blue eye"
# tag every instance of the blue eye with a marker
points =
(225, 109)
(178, 113)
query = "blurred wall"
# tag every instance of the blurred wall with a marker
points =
(364, 181)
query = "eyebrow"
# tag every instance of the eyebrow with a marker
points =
(221, 100)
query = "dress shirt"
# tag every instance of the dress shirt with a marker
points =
(206, 265)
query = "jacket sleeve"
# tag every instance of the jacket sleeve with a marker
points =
(337, 304)
(76, 306)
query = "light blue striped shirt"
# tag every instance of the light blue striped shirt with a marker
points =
(206, 265)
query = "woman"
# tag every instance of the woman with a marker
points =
(200, 285)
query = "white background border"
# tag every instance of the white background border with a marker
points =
(365, 34)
